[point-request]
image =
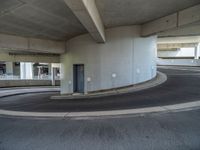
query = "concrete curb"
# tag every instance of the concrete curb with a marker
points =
(13, 92)
(87, 115)
(159, 79)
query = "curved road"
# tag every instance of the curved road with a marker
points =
(160, 131)
(181, 86)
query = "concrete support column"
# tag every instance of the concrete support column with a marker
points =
(9, 68)
(197, 51)
(50, 69)
(53, 76)
(26, 70)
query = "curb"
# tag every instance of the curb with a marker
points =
(7, 93)
(159, 79)
(88, 115)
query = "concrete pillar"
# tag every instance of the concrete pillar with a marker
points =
(50, 70)
(54, 67)
(197, 52)
(9, 68)
(53, 76)
(26, 70)
(39, 72)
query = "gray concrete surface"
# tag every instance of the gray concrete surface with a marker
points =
(30, 58)
(27, 83)
(118, 12)
(179, 62)
(171, 131)
(53, 19)
(50, 19)
(178, 20)
(88, 15)
(24, 45)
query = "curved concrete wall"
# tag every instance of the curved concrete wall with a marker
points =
(127, 55)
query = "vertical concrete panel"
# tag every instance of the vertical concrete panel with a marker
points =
(144, 59)
(9, 68)
(26, 70)
(117, 58)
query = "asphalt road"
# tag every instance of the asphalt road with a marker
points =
(170, 131)
(181, 86)
(158, 131)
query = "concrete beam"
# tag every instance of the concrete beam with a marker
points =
(162, 24)
(88, 14)
(189, 16)
(192, 30)
(190, 39)
(176, 45)
(30, 58)
(179, 19)
(10, 43)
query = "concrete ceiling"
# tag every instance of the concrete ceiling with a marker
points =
(128, 12)
(49, 19)
(52, 19)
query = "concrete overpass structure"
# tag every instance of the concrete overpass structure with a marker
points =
(182, 51)
(107, 49)
(102, 44)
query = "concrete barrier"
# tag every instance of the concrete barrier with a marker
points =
(179, 62)
(22, 83)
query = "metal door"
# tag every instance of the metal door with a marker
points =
(79, 78)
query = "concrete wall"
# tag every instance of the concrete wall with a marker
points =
(24, 83)
(183, 52)
(179, 62)
(125, 54)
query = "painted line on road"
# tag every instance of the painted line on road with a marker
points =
(112, 113)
